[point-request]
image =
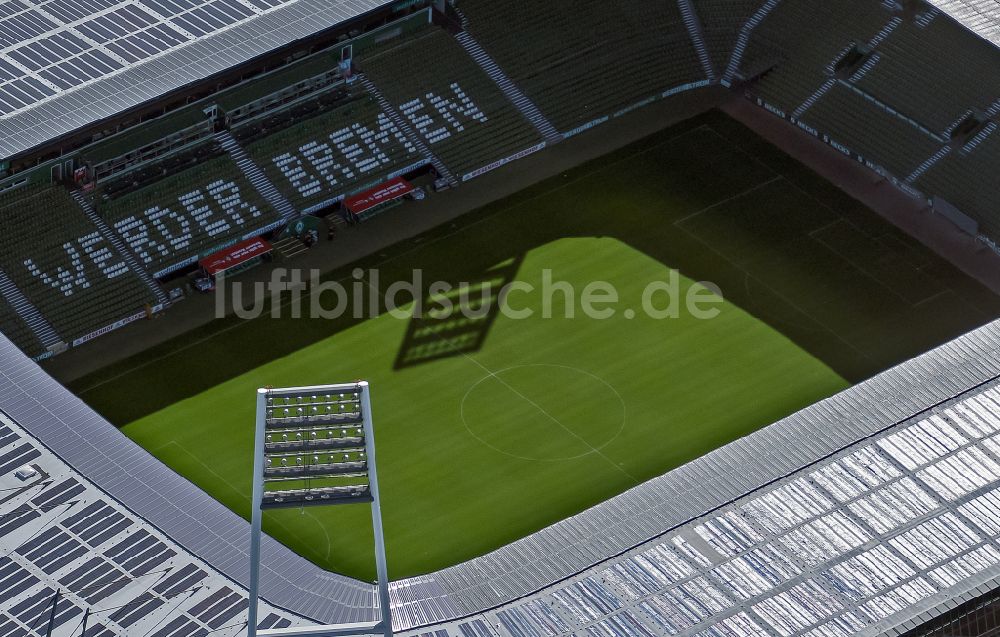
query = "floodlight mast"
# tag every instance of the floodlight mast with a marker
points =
(310, 410)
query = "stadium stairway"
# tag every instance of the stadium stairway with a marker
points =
(695, 30)
(980, 137)
(40, 327)
(815, 97)
(257, 178)
(929, 163)
(112, 237)
(404, 126)
(509, 89)
(744, 40)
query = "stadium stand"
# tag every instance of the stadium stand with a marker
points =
(203, 205)
(146, 142)
(696, 34)
(966, 178)
(65, 535)
(255, 175)
(752, 57)
(17, 330)
(905, 87)
(512, 92)
(865, 514)
(29, 316)
(406, 125)
(278, 88)
(442, 100)
(722, 22)
(345, 149)
(306, 134)
(866, 127)
(554, 51)
(60, 262)
(140, 174)
(936, 84)
(809, 54)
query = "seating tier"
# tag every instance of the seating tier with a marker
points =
(61, 263)
(461, 113)
(171, 222)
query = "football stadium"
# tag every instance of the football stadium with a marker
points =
(665, 318)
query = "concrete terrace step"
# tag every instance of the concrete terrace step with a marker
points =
(744, 39)
(112, 237)
(37, 323)
(289, 247)
(404, 126)
(695, 31)
(510, 90)
(815, 97)
(929, 163)
(256, 176)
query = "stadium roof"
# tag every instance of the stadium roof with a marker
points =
(865, 514)
(871, 540)
(96, 449)
(60, 532)
(699, 509)
(982, 17)
(64, 65)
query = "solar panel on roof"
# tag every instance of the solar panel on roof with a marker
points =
(135, 610)
(58, 46)
(57, 58)
(982, 17)
(98, 631)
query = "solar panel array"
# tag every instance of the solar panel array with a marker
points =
(59, 533)
(64, 65)
(619, 525)
(898, 520)
(982, 17)
(857, 545)
(55, 46)
(158, 497)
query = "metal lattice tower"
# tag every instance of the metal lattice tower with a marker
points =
(314, 446)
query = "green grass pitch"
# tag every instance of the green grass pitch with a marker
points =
(488, 432)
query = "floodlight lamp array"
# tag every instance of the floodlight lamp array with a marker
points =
(316, 446)
(314, 409)
(315, 449)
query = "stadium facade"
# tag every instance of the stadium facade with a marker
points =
(870, 513)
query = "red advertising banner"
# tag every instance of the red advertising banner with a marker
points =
(234, 255)
(392, 189)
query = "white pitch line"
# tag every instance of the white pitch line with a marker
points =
(525, 398)
(727, 200)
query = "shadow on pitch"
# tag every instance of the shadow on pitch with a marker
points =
(441, 331)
